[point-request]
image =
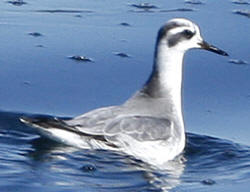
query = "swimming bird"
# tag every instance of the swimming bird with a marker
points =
(149, 125)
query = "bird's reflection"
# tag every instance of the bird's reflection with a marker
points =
(109, 163)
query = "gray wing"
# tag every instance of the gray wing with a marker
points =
(89, 125)
(94, 121)
(140, 128)
(110, 123)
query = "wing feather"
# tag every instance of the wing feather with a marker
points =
(94, 121)
(140, 128)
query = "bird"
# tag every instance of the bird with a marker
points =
(149, 126)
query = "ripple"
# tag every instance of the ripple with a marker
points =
(145, 6)
(244, 12)
(121, 54)
(194, 2)
(215, 158)
(238, 62)
(63, 11)
(81, 58)
(17, 2)
(125, 24)
(241, 2)
(179, 10)
(208, 161)
(208, 182)
(35, 34)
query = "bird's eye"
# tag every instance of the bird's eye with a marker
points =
(188, 34)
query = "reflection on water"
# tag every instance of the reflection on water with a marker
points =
(121, 171)
(29, 161)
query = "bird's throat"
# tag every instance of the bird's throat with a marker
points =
(166, 78)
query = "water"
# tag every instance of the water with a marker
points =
(29, 162)
(38, 76)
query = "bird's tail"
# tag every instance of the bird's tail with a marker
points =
(44, 122)
(57, 129)
(53, 128)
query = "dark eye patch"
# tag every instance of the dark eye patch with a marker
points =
(187, 34)
(164, 30)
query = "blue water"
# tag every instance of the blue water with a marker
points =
(29, 162)
(37, 76)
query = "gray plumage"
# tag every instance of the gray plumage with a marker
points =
(150, 124)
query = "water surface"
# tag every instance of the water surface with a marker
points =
(37, 76)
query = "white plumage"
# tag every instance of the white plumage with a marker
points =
(149, 126)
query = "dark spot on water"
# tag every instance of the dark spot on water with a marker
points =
(120, 54)
(229, 154)
(244, 12)
(125, 24)
(63, 11)
(142, 11)
(124, 40)
(88, 168)
(194, 2)
(35, 34)
(208, 182)
(81, 58)
(79, 16)
(241, 2)
(17, 2)
(238, 62)
(145, 6)
(28, 83)
(40, 46)
(179, 10)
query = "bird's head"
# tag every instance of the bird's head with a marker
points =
(181, 35)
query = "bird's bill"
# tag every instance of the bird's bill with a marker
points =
(207, 46)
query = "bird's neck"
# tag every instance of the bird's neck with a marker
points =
(165, 81)
(161, 95)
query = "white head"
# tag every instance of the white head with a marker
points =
(181, 34)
